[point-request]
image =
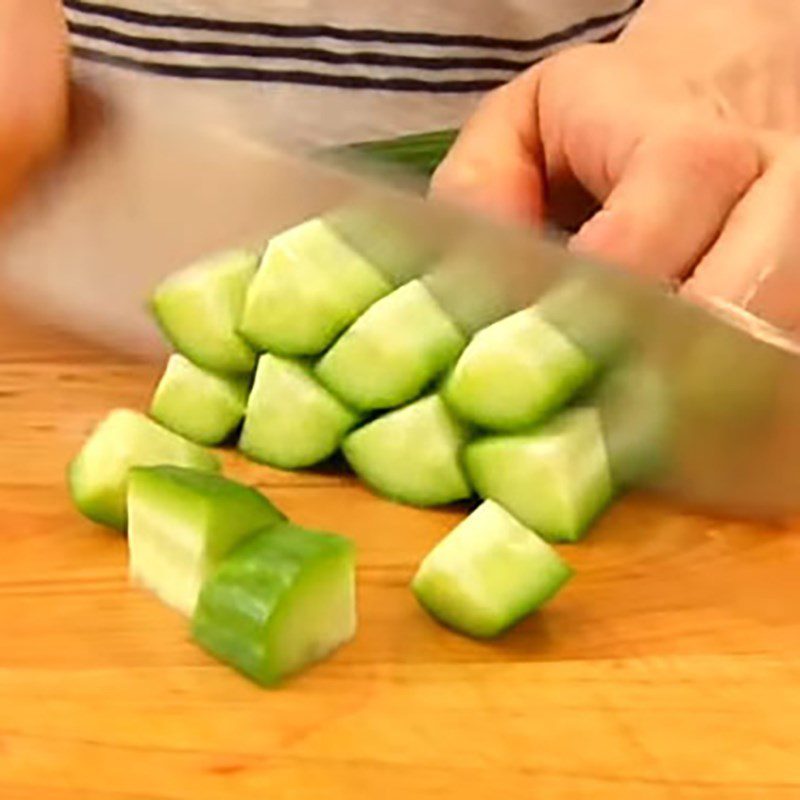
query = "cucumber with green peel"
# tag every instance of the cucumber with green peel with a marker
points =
(281, 601)
(292, 421)
(412, 454)
(182, 523)
(393, 352)
(309, 287)
(98, 475)
(199, 308)
(419, 152)
(555, 478)
(516, 372)
(488, 573)
(203, 406)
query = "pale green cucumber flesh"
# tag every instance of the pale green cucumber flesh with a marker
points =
(199, 308)
(393, 352)
(310, 286)
(279, 602)
(98, 475)
(515, 372)
(203, 406)
(181, 523)
(488, 573)
(398, 244)
(555, 479)
(292, 421)
(412, 454)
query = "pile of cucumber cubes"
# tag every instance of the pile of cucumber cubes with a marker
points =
(311, 348)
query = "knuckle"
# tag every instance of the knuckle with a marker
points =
(716, 153)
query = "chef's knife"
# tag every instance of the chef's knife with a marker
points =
(703, 403)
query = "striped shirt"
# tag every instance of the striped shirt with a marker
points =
(319, 72)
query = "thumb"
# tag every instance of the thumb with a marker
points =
(494, 165)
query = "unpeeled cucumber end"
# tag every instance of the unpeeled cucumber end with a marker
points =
(280, 602)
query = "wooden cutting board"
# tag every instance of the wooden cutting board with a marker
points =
(670, 667)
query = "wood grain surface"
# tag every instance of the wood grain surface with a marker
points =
(669, 668)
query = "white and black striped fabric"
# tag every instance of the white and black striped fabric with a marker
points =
(328, 71)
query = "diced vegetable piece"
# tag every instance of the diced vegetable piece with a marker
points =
(392, 240)
(488, 573)
(412, 454)
(593, 315)
(98, 475)
(201, 405)
(310, 286)
(396, 349)
(636, 409)
(555, 479)
(516, 372)
(282, 600)
(182, 523)
(199, 308)
(292, 421)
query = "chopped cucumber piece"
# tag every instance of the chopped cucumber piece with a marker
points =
(292, 421)
(636, 409)
(182, 523)
(310, 286)
(392, 240)
(488, 573)
(412, 454)
(393, 351)
(199, 308)
(554, 479)
(282, 600)
(594, 316)
(515, 372)
(203, 406)
(98, 475)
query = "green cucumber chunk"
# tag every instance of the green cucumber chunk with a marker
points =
(488, 573)
(310, 286)
(395, 242)
(515, 372)
(282, 600)
(292, 421)
(412, 454)
(98, 475)
(198, 310)
(554, 479)
(393, 352)
(182, 523)
(203, 406)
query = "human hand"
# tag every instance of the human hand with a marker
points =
(33, 88)
(685, 133)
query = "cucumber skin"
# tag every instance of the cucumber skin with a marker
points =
(488, 541)
(214, 489)
(109, 507)
(486, 457)
(419, 152)
(245, 593)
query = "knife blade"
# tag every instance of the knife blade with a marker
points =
(699, 402)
